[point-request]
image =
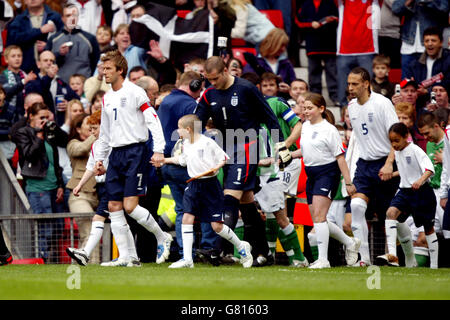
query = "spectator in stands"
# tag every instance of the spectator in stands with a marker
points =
(269, 84)
(273, 58)
(443, 116)
(298, 86)
(389, 34)
(418, 16)
(408, 93)
(54, 90)
(38, 157)
(30, 30)
(196, 64)
(164, 91)
(357, 39)
(76, 51)
(407, 114)
(136, 73)
(90, 14)
(78, 149)
(14, 80)
(433, 61)
(7, 114)
(74, 108)
(95, 83)
(134, 55)
(380, 81)
(441, 97)
(76, 83)
(235, 67)
(150, 86)
(104, 36)
(251, 25)
(317, 21)
(96, 102)
(7, 13)
(160, 67)
(30, 99)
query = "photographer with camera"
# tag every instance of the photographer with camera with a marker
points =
(37, 144)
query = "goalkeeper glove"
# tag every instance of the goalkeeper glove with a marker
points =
(283, 154)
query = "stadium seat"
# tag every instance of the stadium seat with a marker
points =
(4, 37)
(182, 13)
(275, 16)
(238, 53)
(28, 261)
(395, 75)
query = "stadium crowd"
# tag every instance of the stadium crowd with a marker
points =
(387, 156)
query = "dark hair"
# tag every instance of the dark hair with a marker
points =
(252, 77)
(433, 31)
(427, 119)
(2, 90)
(234, 59)
(76, 124)
(97, 94)
(269, 76)
(442, 115)
(301, 80)
(36, 107)
(137, 69)
(363, 73)
(399, 128)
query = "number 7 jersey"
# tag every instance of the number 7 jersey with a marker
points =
(371, 123)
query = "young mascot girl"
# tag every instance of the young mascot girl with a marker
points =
(324, 159)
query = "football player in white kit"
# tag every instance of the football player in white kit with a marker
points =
(323, 155)
(371, 116)
(127, 116)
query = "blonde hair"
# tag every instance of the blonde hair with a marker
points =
(69, 108)
(188, 121)
(273, 42)
(10, 48)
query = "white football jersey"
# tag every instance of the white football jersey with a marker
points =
(320, 143)
(371, 123)
(200, 156)
(126, 118)
(445, 175)
(90, 164)
(412, 162)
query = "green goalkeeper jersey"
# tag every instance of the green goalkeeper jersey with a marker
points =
(432, 147)
(287, 119)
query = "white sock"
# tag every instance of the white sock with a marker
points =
(187, 234)
(288, 230)
(131, 245)
(433, 247)
(119, 229)
(230, 236)
(391, 236)
(145, 219)
(339, 234)
(359, 227)
(404, 236)
(94, 237)
(323, 236)
(312, 239)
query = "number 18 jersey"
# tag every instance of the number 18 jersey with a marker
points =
(371, 123)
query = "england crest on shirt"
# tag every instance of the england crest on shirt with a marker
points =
(370, 115)
(408, 159)
(314, 135)
(234, 100)
(123, 102)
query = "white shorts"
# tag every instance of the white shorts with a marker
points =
(290, 176)
(271, 195)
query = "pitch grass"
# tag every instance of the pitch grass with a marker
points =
(204, 282)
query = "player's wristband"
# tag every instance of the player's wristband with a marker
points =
(349, 184)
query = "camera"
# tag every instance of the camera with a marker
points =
(49, 128)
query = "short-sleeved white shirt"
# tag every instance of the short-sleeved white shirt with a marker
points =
(200, 156)
(320, 143)
(371, 123)
(412, 162)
